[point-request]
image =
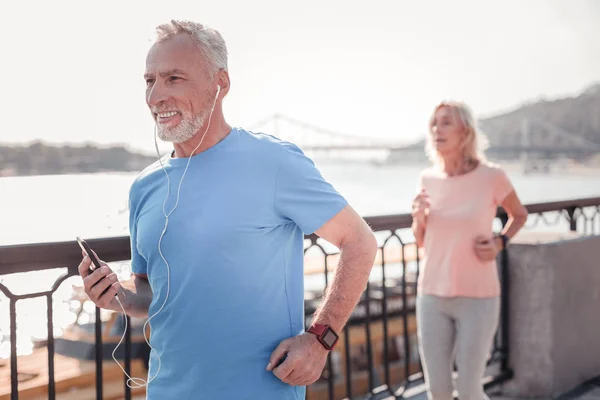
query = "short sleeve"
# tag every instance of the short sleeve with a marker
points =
(302, 195)
(138, 263)
(502, 186)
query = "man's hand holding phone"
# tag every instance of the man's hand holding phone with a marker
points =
(99, 282)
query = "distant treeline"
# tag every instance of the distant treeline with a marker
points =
(41, 159)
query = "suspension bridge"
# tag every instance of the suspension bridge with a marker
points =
(534, 139)
(310, 137)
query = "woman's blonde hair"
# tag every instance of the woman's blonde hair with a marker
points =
(475, 142)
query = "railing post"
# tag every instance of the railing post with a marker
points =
(368, 342)
(127, 356)
(99, 355)
(504, 302)
(504, 316)
(572, 219)
(51, 377)
(348, 362)
(14, 374)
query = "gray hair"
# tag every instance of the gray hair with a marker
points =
(210, 42)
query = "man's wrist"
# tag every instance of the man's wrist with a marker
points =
(315, 343)
(324, 334)
(126, 298)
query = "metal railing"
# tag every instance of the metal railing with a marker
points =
(377, 354)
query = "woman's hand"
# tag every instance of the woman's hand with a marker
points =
(420, 207)
(486, 249)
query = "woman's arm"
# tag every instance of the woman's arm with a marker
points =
(420, 210)
(419, 232)
(517, 216)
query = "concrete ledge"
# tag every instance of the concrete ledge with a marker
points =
(554, 313)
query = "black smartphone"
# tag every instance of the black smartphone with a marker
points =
(86, 248)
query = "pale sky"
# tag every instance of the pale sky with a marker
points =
(72, 72)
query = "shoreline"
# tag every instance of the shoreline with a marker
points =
(540, 167)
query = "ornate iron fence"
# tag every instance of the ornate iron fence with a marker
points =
(377, 354)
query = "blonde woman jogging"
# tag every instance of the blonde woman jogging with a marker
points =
(458, 303)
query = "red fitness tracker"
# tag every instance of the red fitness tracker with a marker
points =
(325, 335)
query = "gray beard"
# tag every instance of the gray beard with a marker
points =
(185, 130)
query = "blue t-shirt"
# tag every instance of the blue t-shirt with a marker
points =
(234, 245)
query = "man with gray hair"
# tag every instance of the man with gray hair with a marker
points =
(217, 257)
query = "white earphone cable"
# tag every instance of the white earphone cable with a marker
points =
(136, 383)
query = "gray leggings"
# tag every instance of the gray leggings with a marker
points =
(456, 328)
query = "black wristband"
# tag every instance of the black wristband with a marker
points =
(505, 240)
